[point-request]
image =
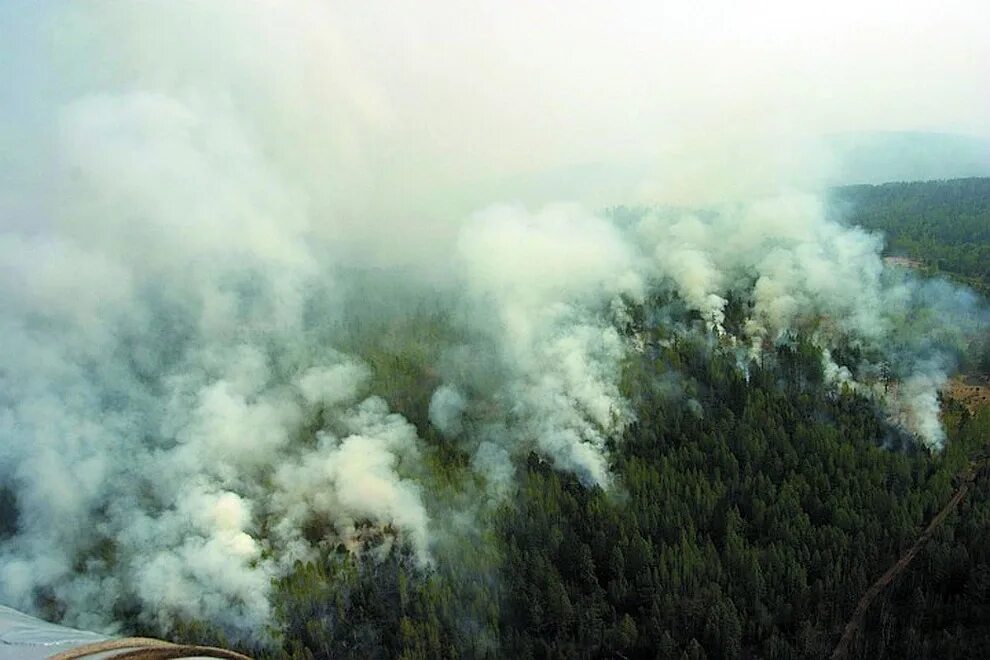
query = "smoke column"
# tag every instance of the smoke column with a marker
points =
(192, 197)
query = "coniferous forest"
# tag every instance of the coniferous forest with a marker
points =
(480, 330)
(946, 224)
(752, 509)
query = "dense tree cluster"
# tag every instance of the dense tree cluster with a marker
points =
(749, 515)
(940, 608)
(752, 507)
(945, 224)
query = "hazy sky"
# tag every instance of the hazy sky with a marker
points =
(188, 188)
(439, 99)
(527, 85)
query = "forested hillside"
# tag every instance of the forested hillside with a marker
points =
(939, 608)
(753, 509)
(748, 530)
(523, 330)
(761, 475)
(945, 224)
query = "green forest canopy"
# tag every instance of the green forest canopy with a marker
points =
(747, 528)
(945, 224)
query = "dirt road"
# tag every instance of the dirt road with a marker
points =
(856, 622)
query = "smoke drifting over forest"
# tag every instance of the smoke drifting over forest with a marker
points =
(235, 236)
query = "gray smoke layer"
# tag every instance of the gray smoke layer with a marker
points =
(187, 405)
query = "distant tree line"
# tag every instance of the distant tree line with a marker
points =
(746, 527)
(752, 507)
(945, 224)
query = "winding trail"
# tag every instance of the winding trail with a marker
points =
(855, 623)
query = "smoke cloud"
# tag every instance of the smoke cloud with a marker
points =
(192, 197)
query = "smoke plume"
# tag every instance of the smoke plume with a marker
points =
(195, 197)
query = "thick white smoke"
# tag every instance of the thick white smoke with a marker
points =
(144, 464)
(184, 190)
(172, 421)
(797, 262)
(447, 410)
(546, 278)
(800, 270)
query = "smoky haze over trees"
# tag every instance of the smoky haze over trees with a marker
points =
(290, 364)
(946, 225)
